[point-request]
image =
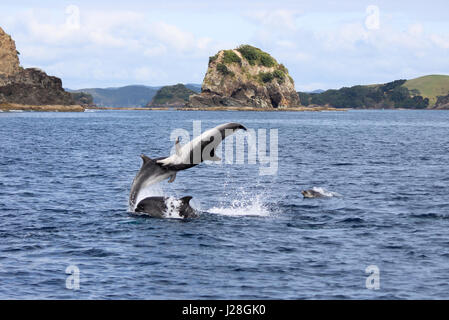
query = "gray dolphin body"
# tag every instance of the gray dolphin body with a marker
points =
(187, 156)
(312, 194)
(159, 207)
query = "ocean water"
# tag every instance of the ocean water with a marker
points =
(65, 180)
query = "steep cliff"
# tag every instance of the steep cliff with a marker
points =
(246, 76)
(27, 86)
(9, 60)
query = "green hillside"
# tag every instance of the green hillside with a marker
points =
(419, 93)
(430, 86)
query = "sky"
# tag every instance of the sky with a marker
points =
(324, 44)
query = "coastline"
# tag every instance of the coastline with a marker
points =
(43, 108)
(11, 107)
(223, 109)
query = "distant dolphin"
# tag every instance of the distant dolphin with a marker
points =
(187, 156)
(159, 207)
(317, 192)
(312, 194)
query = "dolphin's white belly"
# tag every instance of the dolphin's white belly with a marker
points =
(156, 179)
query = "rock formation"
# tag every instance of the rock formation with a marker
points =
(442, 102)
(247, 77)
(27, 86)
(9, 59)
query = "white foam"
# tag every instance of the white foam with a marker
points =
(325, 192)
(173, 206)
(245, 206)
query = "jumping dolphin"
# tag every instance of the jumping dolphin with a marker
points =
(159, 207)
(191, 154)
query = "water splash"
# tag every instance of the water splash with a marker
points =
(244, 205)
(154, 190)
(326, 193)
(173, 206)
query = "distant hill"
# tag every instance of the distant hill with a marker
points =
(316, 91)
(129, 96)
(419, 93)
(171, 96)
(430, 86)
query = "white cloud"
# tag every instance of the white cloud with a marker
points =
(280, 18)
(148, 74)
(156, 51)
(416, 29)
(440, 41)
(108, 46)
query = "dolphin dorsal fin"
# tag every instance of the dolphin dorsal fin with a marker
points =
(178, 147)
(145, 159)
(186, 200)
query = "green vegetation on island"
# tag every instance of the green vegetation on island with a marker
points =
(83, 98)
(230, 56)
(255, 56)
(417, 93)
(176, 95)
(430, 87)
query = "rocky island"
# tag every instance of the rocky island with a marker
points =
(29, 89)
(245, 77)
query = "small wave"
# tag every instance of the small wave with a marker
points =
(252, 206)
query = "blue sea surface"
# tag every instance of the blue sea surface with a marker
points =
(65, 181)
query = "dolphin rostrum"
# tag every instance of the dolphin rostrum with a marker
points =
(191, 154)
(161, 207)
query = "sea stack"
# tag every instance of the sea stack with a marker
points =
(27, 86)
(246, 77)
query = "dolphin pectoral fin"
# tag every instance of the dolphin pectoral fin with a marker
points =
(172, 178)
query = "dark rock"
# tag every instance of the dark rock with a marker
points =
(33, 87)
